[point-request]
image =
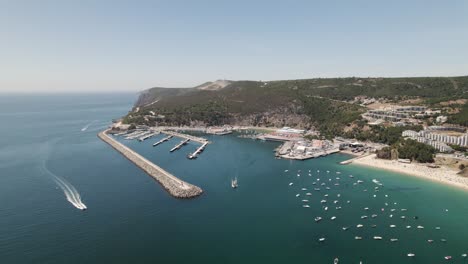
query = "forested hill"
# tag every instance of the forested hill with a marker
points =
(324, 103)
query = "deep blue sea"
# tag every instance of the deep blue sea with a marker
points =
(49, 148)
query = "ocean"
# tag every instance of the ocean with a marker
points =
(52, 162)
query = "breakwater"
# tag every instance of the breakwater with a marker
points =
(175, 186)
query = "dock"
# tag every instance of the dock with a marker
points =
(176, 187)
(192, 138)
(178, 146)
(200, 149)
(145, 137)
(162, 140)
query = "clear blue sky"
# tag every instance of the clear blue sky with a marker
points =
(132, 45)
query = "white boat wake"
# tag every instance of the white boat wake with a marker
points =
(87, 126)
(68, 189)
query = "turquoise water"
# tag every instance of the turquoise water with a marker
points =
(131, 219)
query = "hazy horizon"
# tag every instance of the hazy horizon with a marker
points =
(123, 46)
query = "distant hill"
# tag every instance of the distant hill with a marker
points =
(323, 103)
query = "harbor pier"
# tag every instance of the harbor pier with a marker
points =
(173, 185)
(178, 146)
(200, 149)
(162, 140)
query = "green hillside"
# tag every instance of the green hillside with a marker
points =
(323, 103)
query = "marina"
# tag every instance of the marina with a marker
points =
(175, 186)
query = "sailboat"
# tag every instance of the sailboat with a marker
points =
(234, 183)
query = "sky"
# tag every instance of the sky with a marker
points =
(110, 46)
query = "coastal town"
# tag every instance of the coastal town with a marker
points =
(415, 122)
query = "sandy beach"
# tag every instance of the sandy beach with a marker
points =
(442, 174)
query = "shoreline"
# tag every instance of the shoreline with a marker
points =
(442, 175)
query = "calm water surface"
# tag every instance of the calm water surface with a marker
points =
(131, 219)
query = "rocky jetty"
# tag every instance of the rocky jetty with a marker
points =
(175, 186)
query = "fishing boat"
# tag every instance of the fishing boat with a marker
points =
(234, 183)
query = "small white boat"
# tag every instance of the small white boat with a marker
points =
(328, 188)
(392, 226)
(304, 189)
(286, 170)
(411, 255)
(437, 227)
(351, 176)
(338, 208)
(402, 217)
(393, 239)
(448, 257)
(408, 227)
(305, 201)
(326, 208)
(345, 228)
(234, 184)
(291, 183)
(318, 218)
(464, 255)
(297, 195)
(306, 206)
(338, 195)
(298, 175)
(420, 227)
(323, 201)
(366, 208)
(335, 202)
(357, 237)
(378, 238)
(359, 226)
(374, 216)
(317, 189)
(333, 218)
(364, 217)
(308, 194)
(325, 195)
(335, 261)
(359, 181)
(321, 239)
